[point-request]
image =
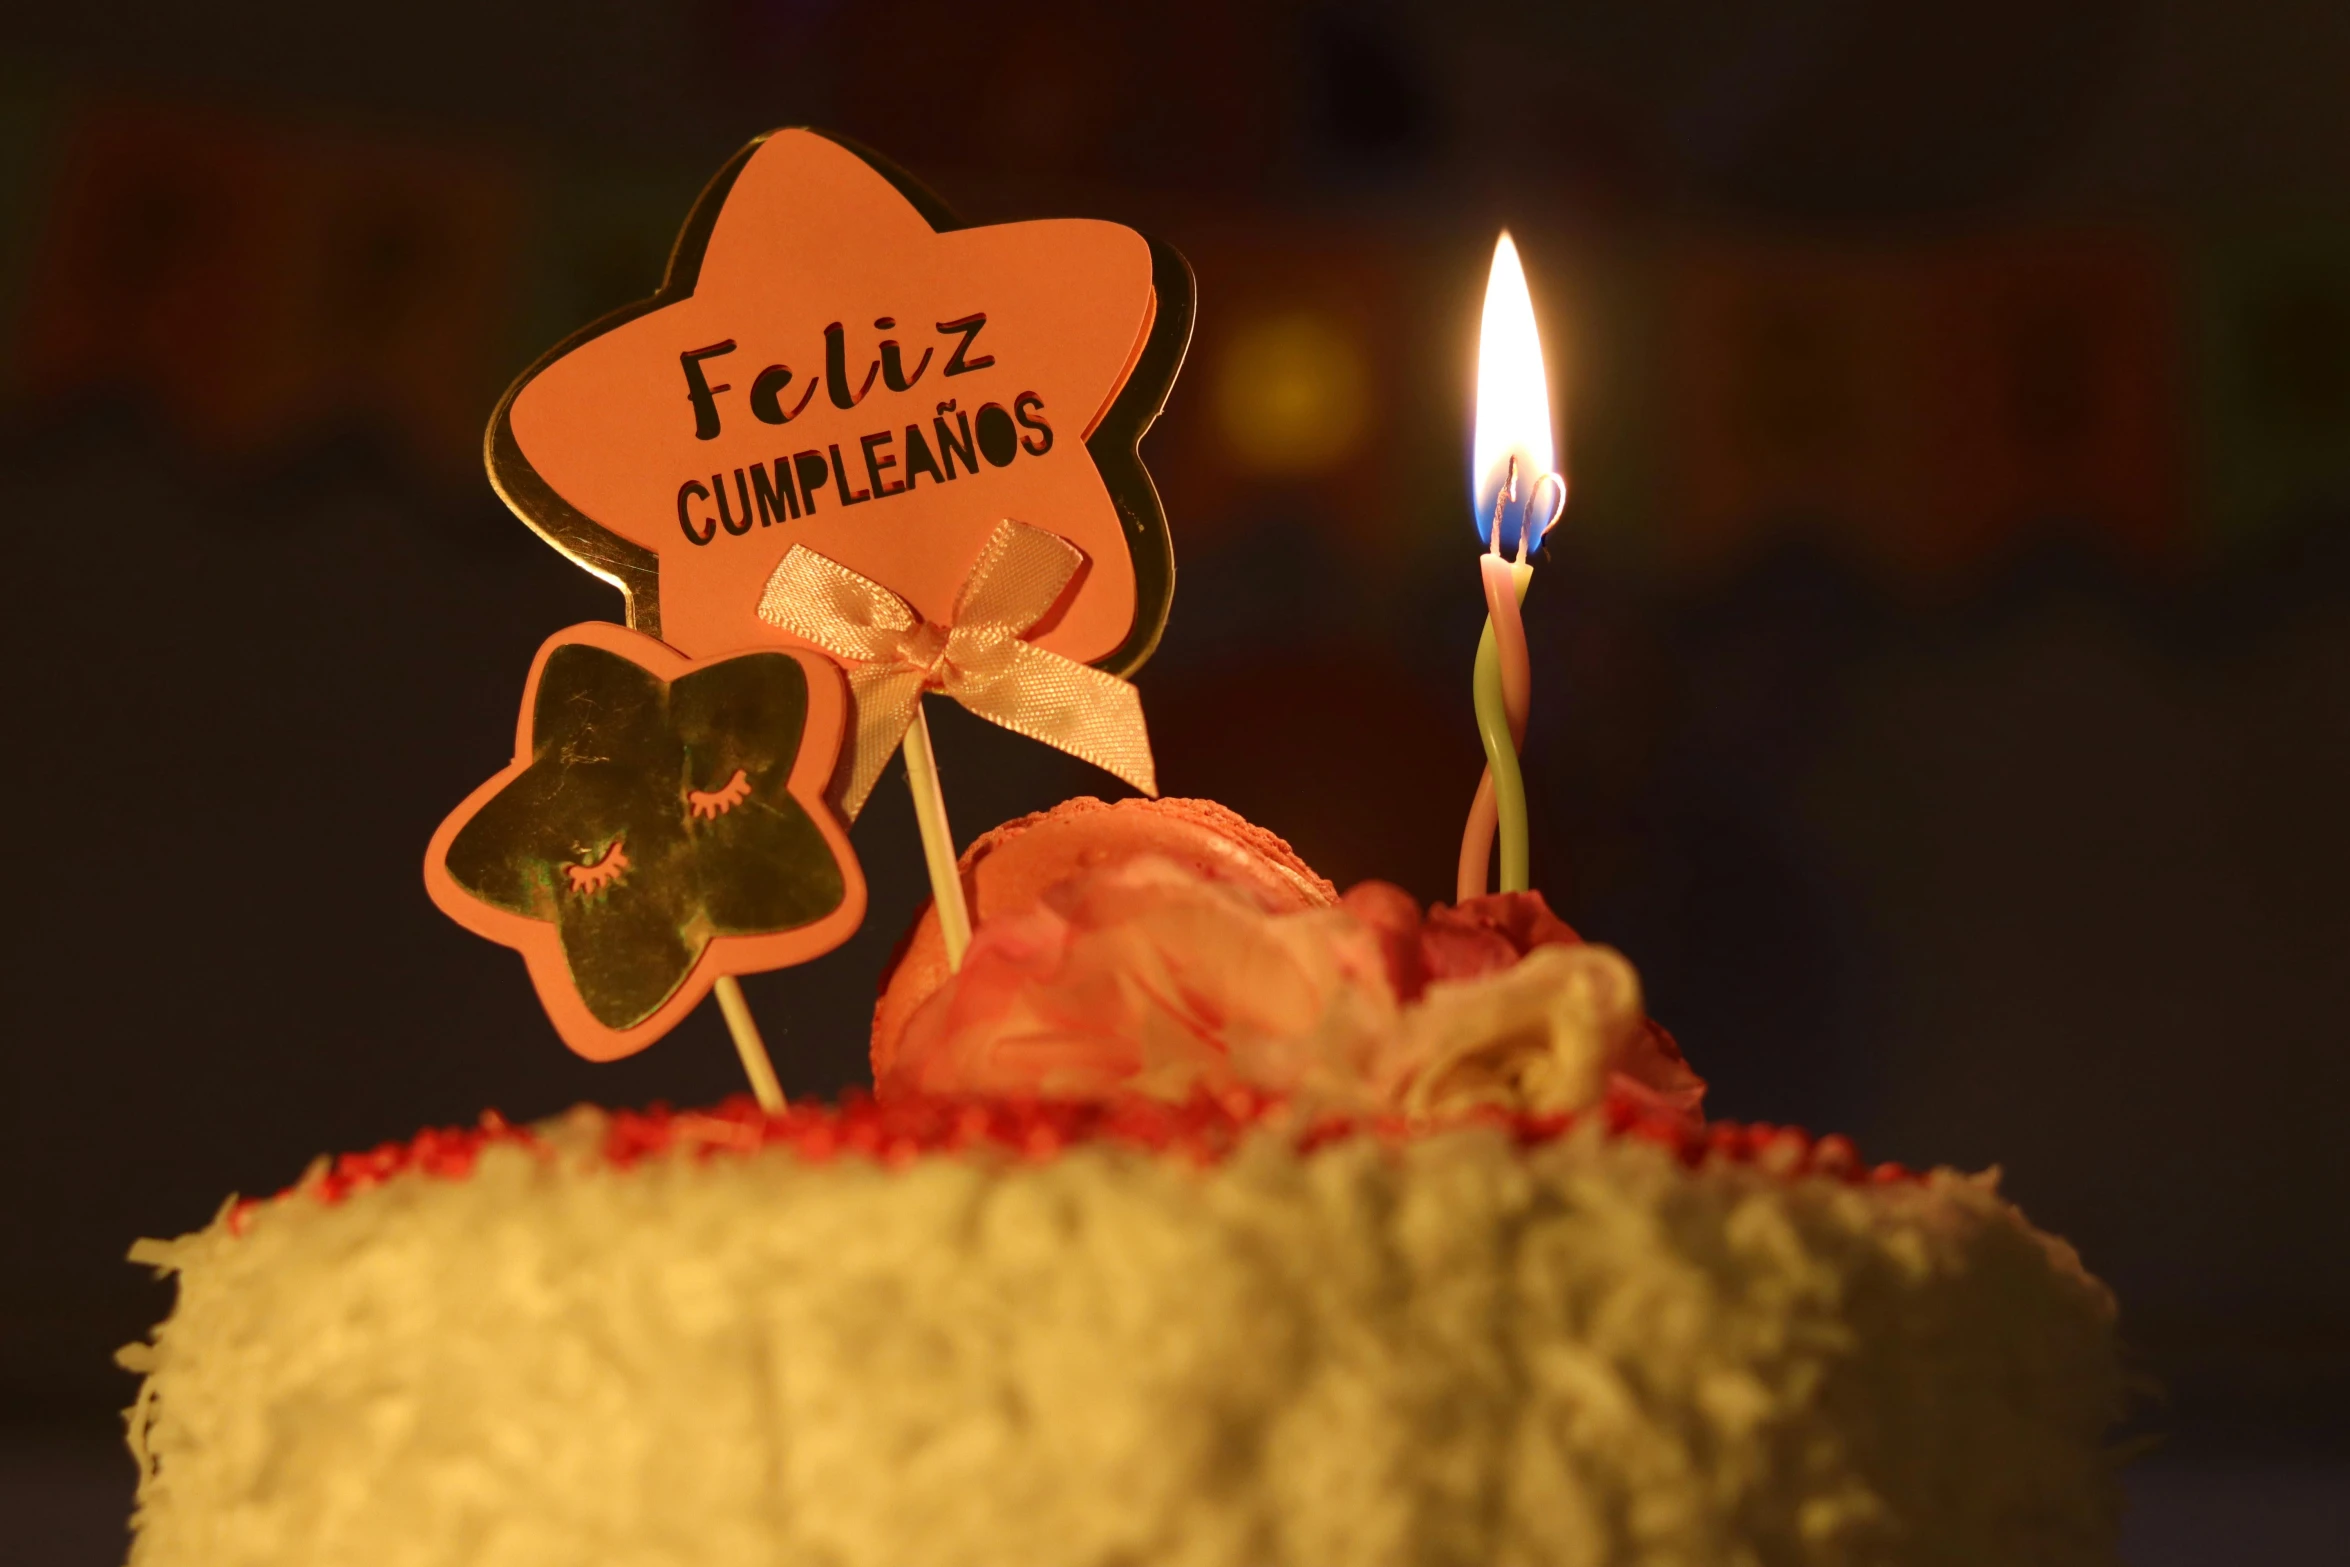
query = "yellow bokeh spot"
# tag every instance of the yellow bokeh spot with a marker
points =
(1292, 394)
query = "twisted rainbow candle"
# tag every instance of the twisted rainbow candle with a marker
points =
(1510, 469)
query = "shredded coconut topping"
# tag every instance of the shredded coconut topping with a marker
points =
(967, 1334)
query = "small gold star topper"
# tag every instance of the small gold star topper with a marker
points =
(662, 826)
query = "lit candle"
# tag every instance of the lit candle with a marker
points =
(1515, 495)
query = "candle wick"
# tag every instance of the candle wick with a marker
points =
(1502, 500)
(1525, 524)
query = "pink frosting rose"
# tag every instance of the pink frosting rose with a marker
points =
(1487, 935)
(1146, 976)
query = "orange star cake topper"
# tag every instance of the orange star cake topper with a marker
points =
(833, 362)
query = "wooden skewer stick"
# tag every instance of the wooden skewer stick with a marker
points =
(938, 843)
(747, 1043)
(946, 887)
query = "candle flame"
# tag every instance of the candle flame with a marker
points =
(1513, 409)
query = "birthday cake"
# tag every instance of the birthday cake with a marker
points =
(1203, 1215)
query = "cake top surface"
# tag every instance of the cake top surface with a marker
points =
(896, 1132)
(1165, 976)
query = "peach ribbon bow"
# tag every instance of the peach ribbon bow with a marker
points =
(980, 657)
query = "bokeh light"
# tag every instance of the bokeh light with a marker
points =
(1292, 394)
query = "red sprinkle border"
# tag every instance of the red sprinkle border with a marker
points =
(1203, 1130)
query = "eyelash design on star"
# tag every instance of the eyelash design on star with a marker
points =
(710, 804)
(590, 880)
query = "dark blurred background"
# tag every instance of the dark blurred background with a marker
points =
(1942, 672)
